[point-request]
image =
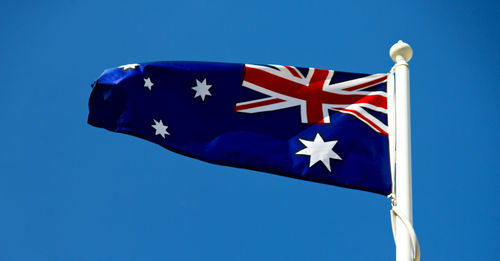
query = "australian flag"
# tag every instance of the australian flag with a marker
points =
(311, 124)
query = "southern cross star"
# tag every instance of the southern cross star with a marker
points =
(131, 66)
(160, 128)
(147, 83)
(201, 89)
(319, 150)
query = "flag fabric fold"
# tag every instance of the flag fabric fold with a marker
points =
(311, 124)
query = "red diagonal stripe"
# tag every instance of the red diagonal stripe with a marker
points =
(367, 121)
(257, 104)
(375, 100)
(372, 82)
(293, 71)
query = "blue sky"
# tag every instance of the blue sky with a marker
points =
(69, 191)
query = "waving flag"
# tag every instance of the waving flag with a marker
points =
(312, 124)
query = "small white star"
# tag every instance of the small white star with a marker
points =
(201, 89)
(147, 83)
(131, 66)
(160, 128)
(319, 150)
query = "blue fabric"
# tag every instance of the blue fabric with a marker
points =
(211, 129)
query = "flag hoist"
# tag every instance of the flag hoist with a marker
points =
(407, 247)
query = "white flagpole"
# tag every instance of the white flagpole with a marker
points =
(401, 53)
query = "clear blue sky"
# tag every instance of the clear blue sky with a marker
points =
(69, 191)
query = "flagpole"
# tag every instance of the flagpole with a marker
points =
(401, 53)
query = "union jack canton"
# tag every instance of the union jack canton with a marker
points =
(315, 94)
(312, 124)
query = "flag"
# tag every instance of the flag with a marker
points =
(311, 124)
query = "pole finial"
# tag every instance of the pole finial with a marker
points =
(401, 49)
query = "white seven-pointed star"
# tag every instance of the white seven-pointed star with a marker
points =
(201, 89)
(319, 150)
(160, 128)
(131, 66)
(147, 83)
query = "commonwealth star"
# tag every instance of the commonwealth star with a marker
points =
(319, 150)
